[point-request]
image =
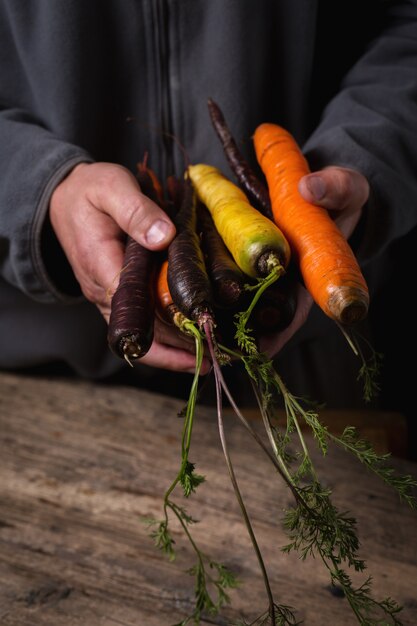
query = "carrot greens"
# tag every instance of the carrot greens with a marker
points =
(211, 577)
(255, 256)
(315, 526)
(370, 367)
(242, 336)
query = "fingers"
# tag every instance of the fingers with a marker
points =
(91, 211)
(99, 280)
(335, 188)
(117, 193)
(169, 334)
(342, 191)
(272, 344)
(173, 350)
(168, 358)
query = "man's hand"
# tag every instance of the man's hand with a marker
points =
(343, 192)
(172, 350)
(91, 210)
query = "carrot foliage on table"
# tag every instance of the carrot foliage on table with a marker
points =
(226, 257)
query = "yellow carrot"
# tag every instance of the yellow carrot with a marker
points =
(256, 244)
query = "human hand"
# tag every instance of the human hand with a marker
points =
(91, 211)
(173, 350)
(343, 192)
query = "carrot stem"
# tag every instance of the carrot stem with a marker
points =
(242, 318)
(235, 483)
(190, 409)
(248, 181)
(189, 419)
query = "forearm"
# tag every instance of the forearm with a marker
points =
(370, 126)
(33, 162)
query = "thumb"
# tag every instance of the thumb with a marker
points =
(335, 188)
(137, 215)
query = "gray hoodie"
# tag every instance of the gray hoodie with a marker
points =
(104, 80)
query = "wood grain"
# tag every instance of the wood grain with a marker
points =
(82, 464)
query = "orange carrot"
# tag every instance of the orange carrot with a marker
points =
(165, 307)
(327, 263)
(167, 310)
(164, 298)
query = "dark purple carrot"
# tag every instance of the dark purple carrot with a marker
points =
(130, 331)
(275, 309)
(188, 280)
(175, 189)
(227, 279)
(256, 191)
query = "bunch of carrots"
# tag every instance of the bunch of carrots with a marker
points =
(230, 266)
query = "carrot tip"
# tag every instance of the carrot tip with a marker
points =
(271, 261)
(131, 348)
(349, 305)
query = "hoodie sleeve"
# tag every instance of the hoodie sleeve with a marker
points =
(371, 126)
(33, 159)
(33, 162)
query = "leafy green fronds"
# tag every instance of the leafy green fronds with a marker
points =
(203, 600)
(182, 514)
(320, 529)
(282, 440)
(377, 463)
(370, 367)
(320, 432)
(243, 336)
(368, 374)
(315, 526)
(369, 612)
(226, 578)
(189, 479)
(284, 616)
(332, 536)
(210, 591)
(186, 476)
(162, 537)
(260, 369)
(349, 440)
(304, 469)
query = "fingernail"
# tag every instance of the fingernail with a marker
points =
(158, 232)
(316, 186)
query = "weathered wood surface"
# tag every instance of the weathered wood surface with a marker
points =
(81, 464)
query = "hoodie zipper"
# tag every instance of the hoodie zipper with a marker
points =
(161, 21)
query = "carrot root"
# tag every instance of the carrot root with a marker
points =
(329, 268)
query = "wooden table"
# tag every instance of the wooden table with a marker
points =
(82, 464)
